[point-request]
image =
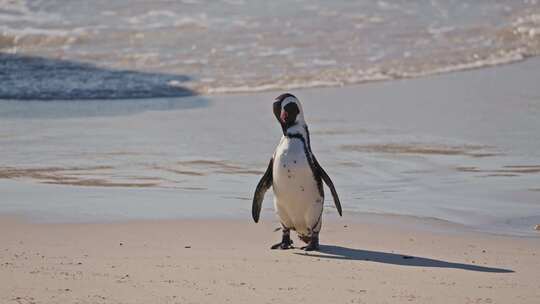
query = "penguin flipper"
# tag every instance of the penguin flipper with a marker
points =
(330, 185)
(264, 184)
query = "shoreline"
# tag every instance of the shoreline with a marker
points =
(455, 147)
(472, 66)
(205, 261)
(388, 220)
(202, 96)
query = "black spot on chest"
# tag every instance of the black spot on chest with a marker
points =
(310, 159)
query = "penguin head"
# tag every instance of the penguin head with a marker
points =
(288, 112)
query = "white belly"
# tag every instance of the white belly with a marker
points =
(298, 201)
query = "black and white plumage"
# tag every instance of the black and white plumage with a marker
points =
(296, 178)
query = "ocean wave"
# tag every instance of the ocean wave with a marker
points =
(341, 78)
(515, 42)
(31, 37)
(234, 2)
(293, 83)
(19, 7)
(164, 18)
(243, 50)
(528, 25)
(18, 10)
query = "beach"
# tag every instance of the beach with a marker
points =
(439, 202)
(229, 261)
(133, 135)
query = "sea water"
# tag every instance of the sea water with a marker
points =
(90, 49)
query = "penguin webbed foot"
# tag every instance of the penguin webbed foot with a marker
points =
(286, 243)
(312, 245)
(282, 246)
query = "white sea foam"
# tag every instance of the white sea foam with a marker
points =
(492, 60)
(32, 37)
(14, 6)
(18, 10)
(234, 2)
(269, 87)
(151, 15)
(185, 22)
(324, 62)
(528, 25)
(437, 31)
(244, 49)
(163, 18)
(297, 83)
(275, 52)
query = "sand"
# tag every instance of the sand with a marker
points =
(148, 201)
(229, 261)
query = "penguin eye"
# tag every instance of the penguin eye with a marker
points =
(292, 111)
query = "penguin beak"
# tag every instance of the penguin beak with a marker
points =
(277, 110)
(284, 115)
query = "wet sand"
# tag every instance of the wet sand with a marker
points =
(229, 261)
(461, 147)
(153, 206)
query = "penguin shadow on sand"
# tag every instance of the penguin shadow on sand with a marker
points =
(344, 253)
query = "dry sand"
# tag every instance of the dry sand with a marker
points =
(229, 261)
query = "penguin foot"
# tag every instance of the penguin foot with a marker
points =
(286, 242)
(312, 246)
(282, 246)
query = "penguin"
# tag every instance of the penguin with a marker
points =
(296, 178)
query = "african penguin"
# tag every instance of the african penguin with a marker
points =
(296, 179)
